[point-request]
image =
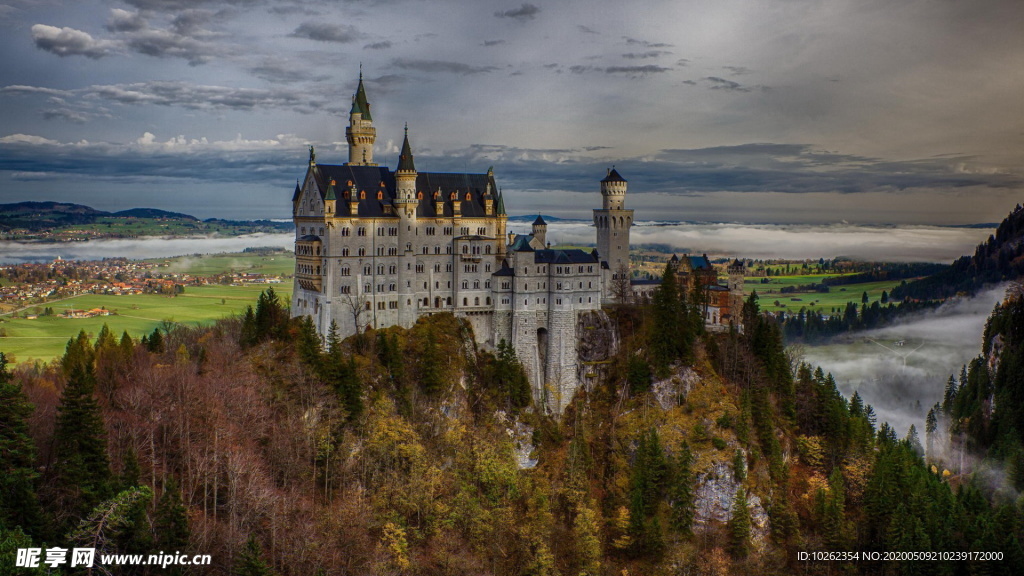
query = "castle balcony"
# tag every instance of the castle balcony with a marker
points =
(471, 257)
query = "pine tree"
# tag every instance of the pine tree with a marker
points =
(81, 465)
(249, 334)
(170, 520)
(19, 506)
(739, 525)
(510, 376)
(680, 492)
(250, 561)
(668, 333)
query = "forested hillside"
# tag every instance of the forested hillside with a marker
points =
(999, 259)
(415, 452)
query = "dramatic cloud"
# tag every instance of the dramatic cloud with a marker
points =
(435, 66)
(525, 12)
(70, 42)
(324, 32)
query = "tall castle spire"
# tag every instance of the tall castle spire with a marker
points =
(360, 132)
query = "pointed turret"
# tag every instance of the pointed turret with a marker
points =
(405, 159)
(406, 199)
(360, 132)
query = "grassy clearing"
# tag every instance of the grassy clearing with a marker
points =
(837, 297)
(45, 337)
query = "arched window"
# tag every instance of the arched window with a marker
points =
(465, 249)
(362, 194)
(487, 250)
(465, 301)
(437, 195)
(469, 196)
(380, 195)
(419, 195)
(476, 301)
(452, 196)
(488, 300)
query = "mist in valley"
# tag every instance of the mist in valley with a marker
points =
(901, 370)
(136, 248)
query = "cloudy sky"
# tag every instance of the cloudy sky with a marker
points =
(788, 111)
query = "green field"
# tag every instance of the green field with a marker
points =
(276, 264)
(45, 337)
(837, 297)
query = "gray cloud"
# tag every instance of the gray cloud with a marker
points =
(436, 66)
(717, 83)
(586, 29)
(644, 55)
(70, 42)
(636, 70)
(383, 45)
(167, 44)
(324, 32)
(525, 12)
(738, 70)
(65, 114)
(645, 43)
(492, 42)
(125, 21)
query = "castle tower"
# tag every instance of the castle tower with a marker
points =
(540, 230)
(360, 132)
(737, 270)
(613, 222)
(406, 203)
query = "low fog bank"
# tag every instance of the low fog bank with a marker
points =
(136, 248)
(798, 242)
(935, 345)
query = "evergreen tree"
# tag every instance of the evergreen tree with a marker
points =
(667, 339)
(739, 525)
(270, 316)
(307, 342)
(638, 374)
(81, 466)
(431, 372)
(19, 506)
(249, 335)
(250, 561)
(170, 520)
(510, 376)
(680, 491)
(645, 488)
(155, 344)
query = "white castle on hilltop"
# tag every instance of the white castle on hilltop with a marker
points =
(376, 248)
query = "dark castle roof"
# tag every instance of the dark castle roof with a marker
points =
(613, 176)
(539, 221)
(567, 256)
(374, 179)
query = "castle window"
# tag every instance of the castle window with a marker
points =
(318, 270)
(425, 250)
(437, 249)
(345, 231)
(468, 196)
(426, 302)
(437, 267)
(465, 285)
(487, 267)
(476, 284)
(346, 289)
(346, 271)
(367, 288)
(362, 194)
(419, 268)
(391, 287)
(476, 301)
(362, 231)
(368, 306)
(419, 195)
(321, 231)
(380, 269)
(437, 195)
(487, 250)
(488, 300)
(380, 195)
(366, 270)
(303, 230)
(362, 251)
(465, 301)
(452, 196)
(465, 249)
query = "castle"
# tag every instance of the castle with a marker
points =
(376, 248)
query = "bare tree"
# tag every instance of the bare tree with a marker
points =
(621, 288)
(358, 309)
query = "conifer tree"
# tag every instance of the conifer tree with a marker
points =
(739, 525)
(668, 333)
(249, 334)
(510, 377)
(81, 466)
(250, 561)
(680, 491)
(170, 520)
(19, 505)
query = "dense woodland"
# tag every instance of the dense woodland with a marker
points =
(415, 452)
(999, 259)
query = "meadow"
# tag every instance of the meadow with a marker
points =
(45, 337)
(274, 264)
(836, 297)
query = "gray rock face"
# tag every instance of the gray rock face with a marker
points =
(597, 341)
(716, 489)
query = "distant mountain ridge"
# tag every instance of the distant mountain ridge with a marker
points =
(999, 259)
(43, 216)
